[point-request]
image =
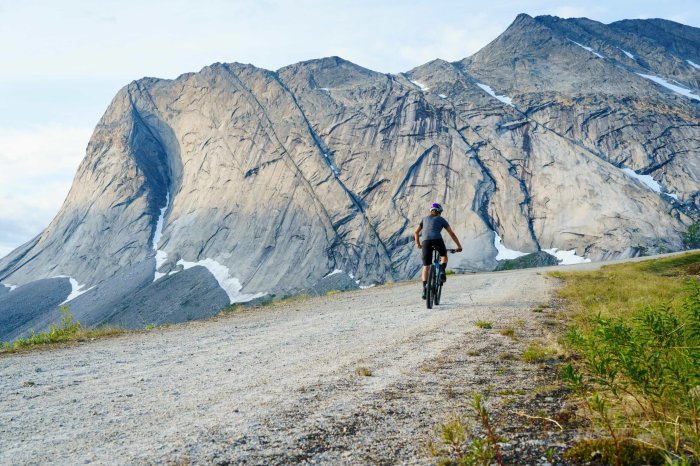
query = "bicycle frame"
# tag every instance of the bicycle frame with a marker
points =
(433, 286)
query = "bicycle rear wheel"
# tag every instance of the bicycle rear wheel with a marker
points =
(430, 289)
(438, 293)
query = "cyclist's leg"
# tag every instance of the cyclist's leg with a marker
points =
(442, 250)
(427, 252)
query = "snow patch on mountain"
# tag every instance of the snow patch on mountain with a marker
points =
(504, 252)
(420, 85)
(505, 99)
(6, 285)
(677, 89)
(647, 180)
(588, 48)
(694, 65)
(231, 285)
(334, 169)
(566, 257)
(76, 288)
(161, 256)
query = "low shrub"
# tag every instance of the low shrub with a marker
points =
(637, 355)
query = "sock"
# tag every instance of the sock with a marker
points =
(425, 283)
(443, 267)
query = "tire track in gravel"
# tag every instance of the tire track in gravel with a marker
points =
(270, 385)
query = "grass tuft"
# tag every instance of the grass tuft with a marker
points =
(483, 324)
(68, 330)
(508, 332)
(603, 451)
(537, 352)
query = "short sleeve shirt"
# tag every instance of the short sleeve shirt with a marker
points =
(432, 226)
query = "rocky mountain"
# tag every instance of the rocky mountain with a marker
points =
(238, 183)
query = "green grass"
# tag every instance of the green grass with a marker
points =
(457, 442)
(68, 330)
(636, 336)
(485, 324)
(537, 352)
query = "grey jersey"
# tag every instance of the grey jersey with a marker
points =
(432, 226)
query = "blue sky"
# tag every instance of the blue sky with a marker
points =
(62, 62)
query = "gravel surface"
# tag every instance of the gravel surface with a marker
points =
(280, 384)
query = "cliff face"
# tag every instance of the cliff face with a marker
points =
(237, 182)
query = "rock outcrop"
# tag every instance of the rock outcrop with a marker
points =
(535, 259)
(237, 183)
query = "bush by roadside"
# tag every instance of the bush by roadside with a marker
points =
(635, 338)
(68, 330)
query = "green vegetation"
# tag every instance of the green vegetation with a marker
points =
(457, 444)
(68, 330)
(508, 332)
(603, 451)
(691, 238)
(538, 352)
(483, 324)
(636, 334)
(363, 371)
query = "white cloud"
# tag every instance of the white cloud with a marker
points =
(37, 167)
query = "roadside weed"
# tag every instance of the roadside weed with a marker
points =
(508, 332)
(66, 331)
(485, 324)
(636, 336)
(457, 443)
(538, 352)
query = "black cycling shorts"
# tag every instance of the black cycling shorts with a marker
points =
(428, 246)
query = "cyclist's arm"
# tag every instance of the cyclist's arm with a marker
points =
(416, 235)
(454, 238)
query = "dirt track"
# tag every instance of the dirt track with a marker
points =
(277, 384)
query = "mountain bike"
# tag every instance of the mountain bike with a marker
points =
(433, 289)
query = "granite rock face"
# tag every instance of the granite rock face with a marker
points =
(238, 182)
(535, 259)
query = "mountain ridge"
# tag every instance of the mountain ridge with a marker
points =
(269, 181)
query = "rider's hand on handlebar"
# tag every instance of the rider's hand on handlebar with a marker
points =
(419, 246)
(458, 250)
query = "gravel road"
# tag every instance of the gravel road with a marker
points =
(277, 384)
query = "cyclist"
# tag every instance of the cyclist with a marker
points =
(433, 225)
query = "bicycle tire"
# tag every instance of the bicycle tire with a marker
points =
(438, 293)
(429, 291)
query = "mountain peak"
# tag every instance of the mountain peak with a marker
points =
(327, 72)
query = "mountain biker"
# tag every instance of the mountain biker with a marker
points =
(433, 225)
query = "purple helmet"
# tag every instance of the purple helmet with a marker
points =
(436, 206)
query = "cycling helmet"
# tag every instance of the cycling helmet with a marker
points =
(436, 206)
